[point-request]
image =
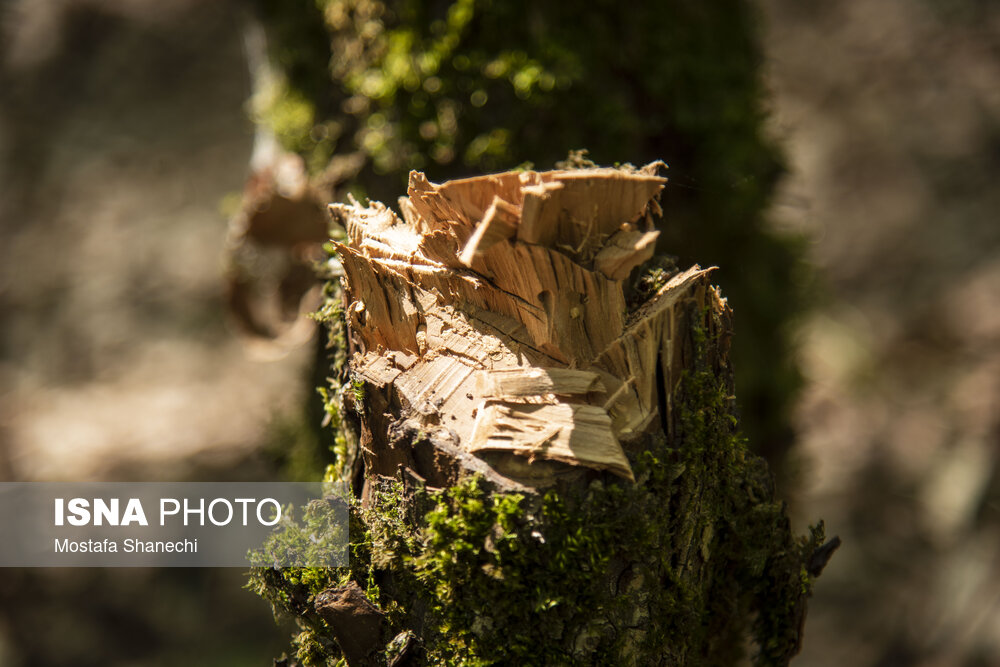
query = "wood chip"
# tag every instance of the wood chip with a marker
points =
(499, 223)
(520, 382)
(625, 251)
(563, 432)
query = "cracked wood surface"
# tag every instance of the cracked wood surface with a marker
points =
(492, 315)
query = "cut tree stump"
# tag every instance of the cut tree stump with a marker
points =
(548, 463)
(493, 318)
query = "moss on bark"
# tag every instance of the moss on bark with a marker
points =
(681, 568)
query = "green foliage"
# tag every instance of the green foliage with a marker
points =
(484, 85)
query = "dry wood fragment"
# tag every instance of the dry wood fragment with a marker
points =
(499, 224)
(576, 434)
(624, 251)
(522, 382)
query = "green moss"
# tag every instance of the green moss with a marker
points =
(358, 391)
(334, 374)
(314, 533)
(310, 650)
(538, 580)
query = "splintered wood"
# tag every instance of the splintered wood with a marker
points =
(494, 315)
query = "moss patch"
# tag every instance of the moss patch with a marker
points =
(674, 569)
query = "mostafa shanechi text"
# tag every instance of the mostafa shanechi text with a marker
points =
(128, 546)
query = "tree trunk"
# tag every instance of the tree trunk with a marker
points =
(549, 468)
(461, 87)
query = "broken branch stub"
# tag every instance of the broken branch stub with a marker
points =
(492, 318)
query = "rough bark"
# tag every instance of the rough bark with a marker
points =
(548, 463)
(354, 621)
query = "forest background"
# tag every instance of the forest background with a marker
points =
(125, 141)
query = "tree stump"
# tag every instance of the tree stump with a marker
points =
(548, 462)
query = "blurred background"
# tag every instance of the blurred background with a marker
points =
(125, 145)
(889, 114)
(122, 130)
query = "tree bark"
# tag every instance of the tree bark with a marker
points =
(549, 467)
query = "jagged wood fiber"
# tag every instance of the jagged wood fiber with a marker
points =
(493, 314)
